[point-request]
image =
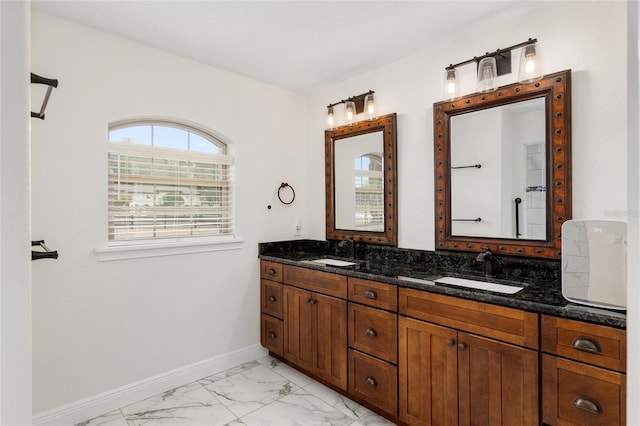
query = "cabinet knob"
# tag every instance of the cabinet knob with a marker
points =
(370, 294)
(587, 404)
(311, 301)
(272, 298)
(451, 342)
(586, 344)
(272, 335)
(462, 346)
(271, 271)
(371, 332)
(371, 382)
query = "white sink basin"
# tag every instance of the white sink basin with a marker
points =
(330, 262)
(480, 285)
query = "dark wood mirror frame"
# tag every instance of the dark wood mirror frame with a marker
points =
(387, 125)
(556, 89)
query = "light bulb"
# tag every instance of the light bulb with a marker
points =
(369, 106)
(330, 119)
(530, 68)
(451, 86)
(487, 75)
(349, 112)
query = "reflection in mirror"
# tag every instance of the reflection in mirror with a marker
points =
(498, 184)
(360, 162)
(503, 168)
(359, 191)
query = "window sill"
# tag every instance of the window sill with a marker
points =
(167, 248)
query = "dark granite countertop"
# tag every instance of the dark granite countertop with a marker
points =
(542, 291)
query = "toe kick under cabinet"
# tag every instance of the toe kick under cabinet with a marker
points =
(422, 358)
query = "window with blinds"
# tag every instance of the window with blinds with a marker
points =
(167, 180)
(369, 192)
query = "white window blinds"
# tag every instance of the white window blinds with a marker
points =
(168, 193)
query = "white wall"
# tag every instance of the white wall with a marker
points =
(591, 41)
(101, 325)
(15, 261)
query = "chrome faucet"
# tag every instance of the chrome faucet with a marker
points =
(350, 244)
(487, 257)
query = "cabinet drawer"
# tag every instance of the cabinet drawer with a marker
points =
(595, 344)
(498, 322)
(270, 270)
(271, 298)
(271, 335)
(373, 331)
(372, 293)
(318, 281)
(578, 394)
(374, 380)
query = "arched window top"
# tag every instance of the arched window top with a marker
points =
(165, 134)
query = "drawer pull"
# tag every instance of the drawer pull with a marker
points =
(272, 298)
(271, 271)
(370, 294)
(272, 335)
(311, 301)
(586, 404)
(371, 382)
(585, 344)
(451, 342)
(371, 332)
(462, 346)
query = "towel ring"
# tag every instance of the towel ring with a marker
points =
(284, 185)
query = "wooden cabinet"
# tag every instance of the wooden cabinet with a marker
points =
(315, 325)
(449, 376)
(271, 307)
(443, 360)
(583, 380)
(373, 343)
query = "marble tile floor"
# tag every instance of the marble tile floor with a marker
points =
(265, 392)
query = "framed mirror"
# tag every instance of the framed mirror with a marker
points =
(503, 168)
(361, 181)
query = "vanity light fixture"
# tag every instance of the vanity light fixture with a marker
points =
(352, 107)
(530, 69)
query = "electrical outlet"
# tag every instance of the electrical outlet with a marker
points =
(298, 227)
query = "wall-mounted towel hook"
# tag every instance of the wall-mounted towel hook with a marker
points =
(46, 254)
(36, 79)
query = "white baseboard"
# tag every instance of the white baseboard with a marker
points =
(88, 408)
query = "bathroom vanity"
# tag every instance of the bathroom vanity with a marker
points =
(381, 331)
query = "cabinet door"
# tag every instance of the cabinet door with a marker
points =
(330, 339)
(298, 325)
(498, 383)
(428, 371)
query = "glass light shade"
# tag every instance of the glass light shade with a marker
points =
(451, 85)
(487, 75)
(330, 118)
(369, 106)
(349, 112)
(530, 67)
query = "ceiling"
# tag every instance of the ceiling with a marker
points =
(297, 45)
